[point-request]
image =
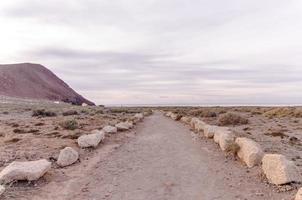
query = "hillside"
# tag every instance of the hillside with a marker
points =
(35, 81)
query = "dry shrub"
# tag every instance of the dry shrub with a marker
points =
(231, 119)
(70, 112)
(203, 112)
(43, 113)
(284, 112)
(233, 149)
(69, 124)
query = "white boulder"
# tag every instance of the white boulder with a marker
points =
(110, 129)
(216, 137)
(122, 126)
(299, 195)
(250, 151)
(209, 131)
(67, 157)
(168, 114)
(279, 170)
(199, 125)
(139, 116)
(174, 116)
(129, 124)
(193, 122)
(30, 171)
(226, 139)
(185, 120)
(91, 140)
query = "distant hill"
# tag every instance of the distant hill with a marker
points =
(35, 81)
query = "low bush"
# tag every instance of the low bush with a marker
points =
(69, 124)
(43, 113)
(203, 113)
(70, 112)
(231, 119)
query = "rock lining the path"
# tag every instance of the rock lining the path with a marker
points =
(30, 171)
(67, 156)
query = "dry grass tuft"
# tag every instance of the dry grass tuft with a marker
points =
(233, 149)
(231, 119)
(203, 113)
(69, 124)
(284, 112)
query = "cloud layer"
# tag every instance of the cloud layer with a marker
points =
(162, 52)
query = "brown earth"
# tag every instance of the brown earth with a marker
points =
(34, 81)
(159, 159)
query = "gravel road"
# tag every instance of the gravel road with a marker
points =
(164, 160)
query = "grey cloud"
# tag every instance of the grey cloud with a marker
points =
(151, 72)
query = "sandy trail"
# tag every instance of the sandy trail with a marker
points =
(162, 162)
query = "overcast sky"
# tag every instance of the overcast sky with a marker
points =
(162, 51)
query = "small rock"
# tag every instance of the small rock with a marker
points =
(110, 129)
(67, 157)
(279, 170)
(250, 152)
(31, 170)
(91, 140)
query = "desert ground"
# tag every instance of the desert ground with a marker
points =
(159, 158)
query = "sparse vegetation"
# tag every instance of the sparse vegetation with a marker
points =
(43, 113)
(233, 149)
(203, 113)
(284, 112)
(70, 112)
(231, 119)
(69, 124)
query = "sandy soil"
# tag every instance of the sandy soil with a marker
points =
(162, 159)
(24, 137)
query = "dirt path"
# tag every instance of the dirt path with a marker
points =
(164, 161)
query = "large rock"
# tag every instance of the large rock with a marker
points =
(122, 126)
(168, 114)
(226, 139)
(139, 116)
(91, 140)
(209, 131)
(129, 124)
(110, 129)
(193, 122)
(175, 116)
(199, 125)
(250, 152)
(2, 189)
(216, 137)
(67, 157)
(185, 120)
(30, 171)
(279, 170)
